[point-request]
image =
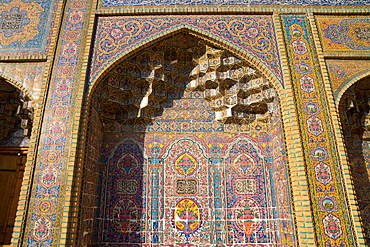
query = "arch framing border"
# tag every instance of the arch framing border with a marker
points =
(294, 144)
(194, 30)
(349, 233)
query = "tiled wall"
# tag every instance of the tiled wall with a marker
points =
(192, 186)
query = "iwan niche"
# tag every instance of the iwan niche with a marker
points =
(185, 148)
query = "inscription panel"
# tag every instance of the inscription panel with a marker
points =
(363, 33)
(187, 186)
(127, 186)
(11, 22)
(245, 186)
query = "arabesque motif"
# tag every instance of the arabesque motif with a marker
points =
(253, 34)
(343, 34)
(25, 26)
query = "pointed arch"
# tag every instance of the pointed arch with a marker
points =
(17, 84)
(16, 127)
(349, 82)
(95, 133)
(193, 30)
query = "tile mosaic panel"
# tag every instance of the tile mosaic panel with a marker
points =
(343, 34)
(342, 72)
(255, 34)
(227, 198)
(333, 225)
(150, 218)
(26, 26)
(125, 3)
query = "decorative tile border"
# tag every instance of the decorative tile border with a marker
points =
(347, 55)
(330, 210)
(31, 58)
(294, 148)
(241, 9)
(342, 154)
(123, 3)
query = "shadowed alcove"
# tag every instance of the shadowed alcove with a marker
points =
(16, 115)
(354, 109)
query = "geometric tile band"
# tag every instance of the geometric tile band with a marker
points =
(123, 3)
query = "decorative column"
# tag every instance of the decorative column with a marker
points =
(155, 186)
(216, 165)
(333, 226)
(50, 198)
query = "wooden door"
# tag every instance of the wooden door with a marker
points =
(12, 162)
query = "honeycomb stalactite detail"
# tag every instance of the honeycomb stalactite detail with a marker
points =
(16, 111)
(135, 90)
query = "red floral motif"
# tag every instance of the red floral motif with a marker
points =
(247, 216)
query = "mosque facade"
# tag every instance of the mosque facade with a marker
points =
(185, 123)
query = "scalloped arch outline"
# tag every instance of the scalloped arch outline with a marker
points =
(219, 41)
